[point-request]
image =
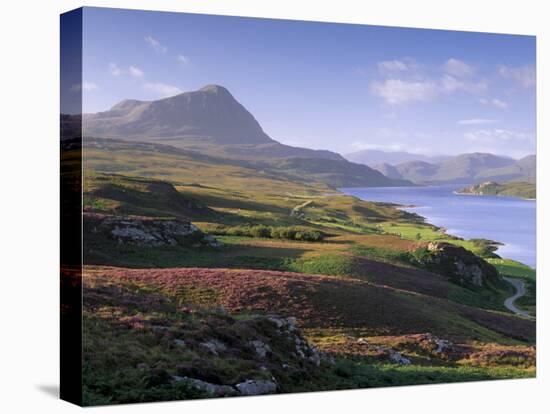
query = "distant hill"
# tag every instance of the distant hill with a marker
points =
(388, 170)
(524, 169)
(378, 157)
(464, 168)
(415, 171)
(336, 173)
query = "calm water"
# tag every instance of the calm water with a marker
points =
(508, 220)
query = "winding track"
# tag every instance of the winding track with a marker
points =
(519, 285)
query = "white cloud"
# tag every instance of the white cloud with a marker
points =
(115, 70)
(405, 81)
(524, 75)
(358, 145)
(89, 86)
(155, 44)
(477, 121)
(392, 66)
(182, 59)
(162, 89)
(497, 103)
(135, 72)
(397, 91)
(450, 84)
(458, 68)
(494, 136)
(86, 87)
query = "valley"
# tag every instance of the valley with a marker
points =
(363, 297)
(219, 262)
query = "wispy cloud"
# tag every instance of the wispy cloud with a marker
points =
(155, 44)
(86, 86)
(184, 60)
(458, 68)
(524, 75)
(114, 69)
(477, 121)
(392, 66)
(358, 145)
(497, 103)
(407, 81)
(397, 91)
(135, 72)
(161, 89)
(494, 136)
(450, 84)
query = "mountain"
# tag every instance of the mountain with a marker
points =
(208, 120)
(524, 169)
(377, 157)
(415, 171)
(211, 113)
(464, 168)
(388, 170)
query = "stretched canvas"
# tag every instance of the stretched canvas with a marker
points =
(258, 206)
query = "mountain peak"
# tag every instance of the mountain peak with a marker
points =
(213, 88)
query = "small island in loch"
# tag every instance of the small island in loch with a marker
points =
(519, 189)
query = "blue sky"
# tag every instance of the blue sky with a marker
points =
(323, 85)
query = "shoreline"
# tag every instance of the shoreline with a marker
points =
(497, 244)
(494, 195)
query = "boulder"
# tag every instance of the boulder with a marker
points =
(257, 387)
(213, 346)
(212, 389)
(179, 342)
(398, 358)
(260, 348)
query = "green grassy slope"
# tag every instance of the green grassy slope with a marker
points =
(358, 279)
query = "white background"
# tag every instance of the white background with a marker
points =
(29, 192)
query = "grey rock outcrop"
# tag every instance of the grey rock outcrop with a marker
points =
(461, 265)
(212, 389)
(145, 231)
(260, 348)
(214, 346)
(257, 387)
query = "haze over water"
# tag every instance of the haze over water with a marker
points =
(508, 220)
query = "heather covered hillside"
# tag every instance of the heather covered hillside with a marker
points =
(208, 268)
